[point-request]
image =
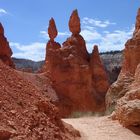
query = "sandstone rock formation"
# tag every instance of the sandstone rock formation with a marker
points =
(125, 91)
(126, 77)
(128, 107)
(71, 72)
(99, 76)
(26, 113)
(5, 50)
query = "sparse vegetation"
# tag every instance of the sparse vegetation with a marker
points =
(111, 52)
(79, 114)
(110, 110)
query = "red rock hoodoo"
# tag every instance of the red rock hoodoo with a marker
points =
(124, 94)
(5, 50)
(72, 72)
(99, 76)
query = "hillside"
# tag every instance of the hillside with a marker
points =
(26, 64)
(25, 113)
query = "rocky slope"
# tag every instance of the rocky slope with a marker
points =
(25, 111)
(124, 94)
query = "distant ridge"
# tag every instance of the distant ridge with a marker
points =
(112, 61)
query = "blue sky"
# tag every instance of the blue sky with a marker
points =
(107, 23)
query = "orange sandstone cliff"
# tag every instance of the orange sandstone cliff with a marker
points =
(124, 94)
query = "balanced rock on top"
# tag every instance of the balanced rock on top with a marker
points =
(74, 23)
(52, 30)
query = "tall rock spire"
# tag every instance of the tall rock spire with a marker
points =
(96, 56)
(99, 75)
(74, 23)
(5, 50)
(51, 44)
(52, 30)
(137, 25)
(76, 40)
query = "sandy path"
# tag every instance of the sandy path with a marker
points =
(101, 128)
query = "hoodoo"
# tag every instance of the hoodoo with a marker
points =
(5, 50)
(99, 76)
(72, 73)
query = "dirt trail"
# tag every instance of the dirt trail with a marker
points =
(101, 128)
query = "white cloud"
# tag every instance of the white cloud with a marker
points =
(34, 51)
(90, 35)
(44, 34)
(96, 23)
(115, 40)
(60, 34)
(94, 33)
(63, 34)
(3, 12)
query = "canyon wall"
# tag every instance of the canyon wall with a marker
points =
(124, 94)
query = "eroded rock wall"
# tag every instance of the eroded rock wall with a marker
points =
(124, 94)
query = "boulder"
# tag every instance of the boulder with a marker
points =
(52, 31)
(74, 23)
